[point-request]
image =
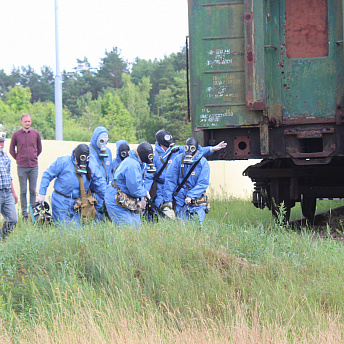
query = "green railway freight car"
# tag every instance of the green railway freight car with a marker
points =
(267, 77)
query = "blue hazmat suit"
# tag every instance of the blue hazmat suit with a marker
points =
(104, 163)
(198, 183)
(67, 184)
(118, 159)
(129, 177)
(160, 157)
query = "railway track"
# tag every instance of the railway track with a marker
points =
(331, 221)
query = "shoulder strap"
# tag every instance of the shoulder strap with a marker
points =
(156, 177)
(113, 183)
(107, 179)
(161, 159)
(81, 185)
(186, 177)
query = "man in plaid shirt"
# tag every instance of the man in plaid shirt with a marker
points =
(8, 197)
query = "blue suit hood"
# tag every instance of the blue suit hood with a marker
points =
(133, 155)
(96, 132)
(118, 144)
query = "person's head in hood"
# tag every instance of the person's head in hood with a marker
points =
(165, 140)
(123, 149)
(100, 139)
(146, 155)
(82, 157)
(191, 147)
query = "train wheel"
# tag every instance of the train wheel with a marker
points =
(308, 206)
(280, 194)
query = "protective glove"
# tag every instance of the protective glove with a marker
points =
(187, 200)
(221, 145)
(40, 198)
(143, 202)
(168, 211)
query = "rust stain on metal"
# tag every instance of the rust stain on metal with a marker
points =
(308, 120)
(255, 95)
(257, 105)
(242, 145)
(264, 135)
(249, 16)
(309, 133)
(306, 28)
(250, 57)
(275, 113)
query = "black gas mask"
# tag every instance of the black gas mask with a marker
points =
(123, 151)
(145, 152)
(82, 155)
(164, 138)
(191, 147)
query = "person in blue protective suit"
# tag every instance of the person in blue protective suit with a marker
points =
(185, 195)
(165, 152)
(100, 154)
(66, 187)
(123, 149)
(129, 179)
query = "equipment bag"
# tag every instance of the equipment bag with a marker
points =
(203, 200)
(124, 200)
(153, 190)
(39, 213)
(85, 204)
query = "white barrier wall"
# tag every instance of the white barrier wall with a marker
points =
(225, 177)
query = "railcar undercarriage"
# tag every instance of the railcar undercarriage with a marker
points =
(282, 181)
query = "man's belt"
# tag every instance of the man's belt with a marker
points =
(61, 194)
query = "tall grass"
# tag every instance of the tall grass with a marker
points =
(241, 278)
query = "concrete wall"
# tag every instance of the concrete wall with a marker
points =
(225, 177)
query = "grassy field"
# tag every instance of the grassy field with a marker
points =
(242, 278)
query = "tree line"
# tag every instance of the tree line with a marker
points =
(132, 101)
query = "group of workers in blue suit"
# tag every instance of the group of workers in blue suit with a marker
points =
(121, 186)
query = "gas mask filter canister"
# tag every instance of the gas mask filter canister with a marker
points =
(151, 168)
(174, 148)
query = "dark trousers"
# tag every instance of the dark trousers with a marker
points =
(26, 174)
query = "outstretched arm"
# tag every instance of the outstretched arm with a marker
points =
(14, 193)
(219, 146)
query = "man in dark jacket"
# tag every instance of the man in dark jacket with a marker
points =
(25, 148)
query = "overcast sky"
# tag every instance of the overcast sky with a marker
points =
(139, 28)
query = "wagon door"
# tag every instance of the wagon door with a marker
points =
(307, 64)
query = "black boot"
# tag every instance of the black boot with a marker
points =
(6, 229)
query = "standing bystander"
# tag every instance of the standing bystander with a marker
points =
(25, 148)
(8, 197)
